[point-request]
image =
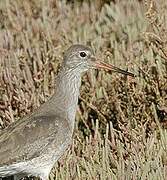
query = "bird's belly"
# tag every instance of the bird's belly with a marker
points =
(12, 169)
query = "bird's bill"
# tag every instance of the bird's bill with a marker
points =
(112, 68)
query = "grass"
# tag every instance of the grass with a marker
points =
(120, 129)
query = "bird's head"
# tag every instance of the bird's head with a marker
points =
(79, 57)
(82, 58)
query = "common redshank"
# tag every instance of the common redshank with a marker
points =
(31, 146)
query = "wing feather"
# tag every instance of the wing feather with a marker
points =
(29, 138)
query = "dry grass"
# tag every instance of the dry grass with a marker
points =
(120, 130)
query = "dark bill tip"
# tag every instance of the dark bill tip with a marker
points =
(112, 68)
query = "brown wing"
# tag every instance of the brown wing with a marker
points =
(29, 138)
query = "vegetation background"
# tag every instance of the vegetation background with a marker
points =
(120, 130)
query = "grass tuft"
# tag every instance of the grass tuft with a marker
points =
(120, 129)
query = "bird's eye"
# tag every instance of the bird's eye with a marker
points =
(82, 54)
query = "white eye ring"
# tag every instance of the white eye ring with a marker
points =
(82, 54)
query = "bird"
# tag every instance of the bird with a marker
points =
(31, 146)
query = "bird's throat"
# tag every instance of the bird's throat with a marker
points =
(66, 93)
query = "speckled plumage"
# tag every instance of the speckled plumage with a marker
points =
(32, 145)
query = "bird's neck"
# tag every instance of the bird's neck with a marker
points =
(66, 93)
